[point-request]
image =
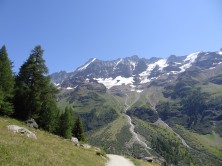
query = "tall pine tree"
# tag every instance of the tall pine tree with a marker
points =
(66, 123)
(7, 83)
(35, 95)
(78, 130)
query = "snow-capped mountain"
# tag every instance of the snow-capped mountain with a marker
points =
(136, 72)
(180, 95)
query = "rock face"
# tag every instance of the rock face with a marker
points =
(32, 123)
(21, 130)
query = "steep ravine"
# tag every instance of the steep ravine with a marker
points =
(153, 102)
(164, 124)
(135, 137)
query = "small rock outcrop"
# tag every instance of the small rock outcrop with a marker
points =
(21, 130)
(75, 140)
(86, 146)
(32, 123)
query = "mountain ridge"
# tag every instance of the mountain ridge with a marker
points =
(135, 71)
(174, 101)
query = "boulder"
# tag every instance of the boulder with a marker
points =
(32, 123)
(21, 130)
(97, 149)
(74, 140)
(86, 146)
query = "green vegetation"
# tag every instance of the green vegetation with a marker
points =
(7, 83)
(192, 108)
(208, 143)
(66, 123)
(78, 130)
(35, 95)
(112, 137)
(47, 150)
(138, 162)
(68, 127)
(194, 104)
(164, 142)
(143, 112)
(95, 108)
(111, 129)
(142, 108)
(169, 149)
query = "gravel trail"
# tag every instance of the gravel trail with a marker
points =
(116, 160)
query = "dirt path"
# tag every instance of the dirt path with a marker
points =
(115, 160)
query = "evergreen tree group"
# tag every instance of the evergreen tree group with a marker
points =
(30, 94)
(78, 130)
(69, 128)
(34, 94)
(66, 123)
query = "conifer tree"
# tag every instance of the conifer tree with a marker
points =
(49, 114)
(35, 95)
(1, 99)
(66, 123)
(78, 130)
(7, 83)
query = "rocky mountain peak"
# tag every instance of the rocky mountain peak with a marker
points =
(137, 72)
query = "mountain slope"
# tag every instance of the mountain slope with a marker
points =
(168, 101)
(48, 149)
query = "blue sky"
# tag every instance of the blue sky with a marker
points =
(73, 31)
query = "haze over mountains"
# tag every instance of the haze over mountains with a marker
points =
(165, 109)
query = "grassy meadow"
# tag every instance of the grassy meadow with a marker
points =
(48, 149)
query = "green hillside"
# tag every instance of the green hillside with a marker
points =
(190, 108)
(48, 149)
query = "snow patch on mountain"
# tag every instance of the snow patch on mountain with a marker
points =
(162, 63)
(71, 88)
(139, 91)
(117, 63)
(133, 64)
(86, 65)
(211, 68)
(134, 89)
(190, 59)
(57, 84)
(119, 80)
(220, 52)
